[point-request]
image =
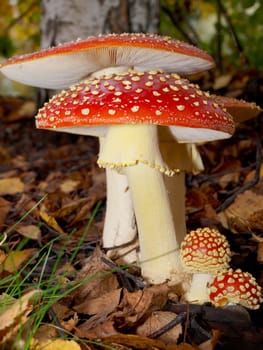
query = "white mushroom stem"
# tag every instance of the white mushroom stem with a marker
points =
(198, 290)
(134, 150)
(186, 158)
(120, 226)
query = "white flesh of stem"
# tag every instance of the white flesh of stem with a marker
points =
(120, 226)
(198, 292)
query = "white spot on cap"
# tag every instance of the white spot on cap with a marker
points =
(180, 107)
(135, 108)
(111, 111)
(85, 111)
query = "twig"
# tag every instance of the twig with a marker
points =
(178, 26)
(128, 276)
(54, 317)
(232, 31)
(19, 18)
(179, 319)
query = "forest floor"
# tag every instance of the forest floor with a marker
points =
(57, 283)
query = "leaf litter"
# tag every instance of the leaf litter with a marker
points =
(88, 301)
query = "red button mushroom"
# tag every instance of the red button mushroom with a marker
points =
(125, 109)
(69, 63)
(204, 252)
(235, 286)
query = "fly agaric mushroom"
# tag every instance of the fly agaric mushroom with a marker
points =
(61, 66)
(235, 286)
(204, 252)
(125, 109)
(66, 64)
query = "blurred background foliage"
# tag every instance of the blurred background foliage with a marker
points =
(230, 30)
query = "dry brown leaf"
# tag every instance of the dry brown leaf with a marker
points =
(16, 314)
(96, 327)
(242, 213)
(29, 231)
(140, 304)
(50, 220)
(15, 259)
(69, 185)
(133, 341)
(210, 343)
(186, 346)
(96, 278)
(11, 186)
(5, 207)
(105, 303)
(2, 257)
(57, 344)
(158, 320)
(70, 207)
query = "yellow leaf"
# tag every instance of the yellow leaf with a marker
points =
(12, 185)
(50, 220)
(57, 344)
(2, 256)
(15, 259)
(68, 186)
(15, 314)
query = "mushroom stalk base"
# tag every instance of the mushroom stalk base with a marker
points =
(159, 250)
(198, 291)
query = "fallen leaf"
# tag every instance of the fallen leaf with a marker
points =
(245, 214)
(50, 220)
(210, 343)
(57, 344)
(30, 231)
(96, 278)
(15, 259)
(96, 327)
(140, 304)
(5, 207)
(11, 186)
(69, 185)
(158, 320)
(16, 315)
(133, 341)
(2, 257)
(105, 303)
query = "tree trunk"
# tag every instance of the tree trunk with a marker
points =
(66, 20)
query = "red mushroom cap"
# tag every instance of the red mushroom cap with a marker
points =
(205, 250)
(137, 97)
(66, 64)
(237, 287)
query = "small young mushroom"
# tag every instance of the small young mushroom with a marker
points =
(66, 64)
(125, 110)
(235, 286)
(204, 252)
